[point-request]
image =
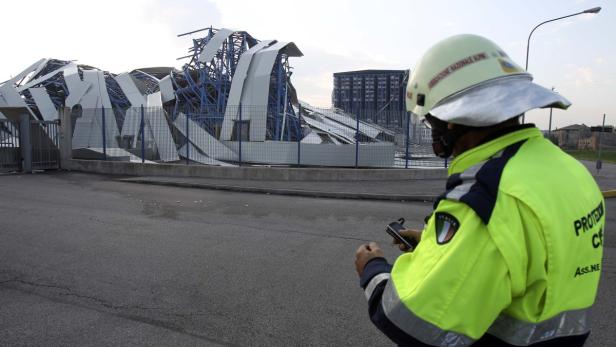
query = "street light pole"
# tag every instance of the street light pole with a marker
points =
(599, 163)
(590, 10)
(550, 124)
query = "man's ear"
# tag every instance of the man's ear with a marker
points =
(450, 126)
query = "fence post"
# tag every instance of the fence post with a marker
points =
(357, 142)
(239, 135)
(142, 133)
(25, 142)
(408, 133)
(104, 134)
(299, 135)
(187, 141)
(66, 146)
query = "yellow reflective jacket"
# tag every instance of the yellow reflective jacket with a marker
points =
(511, 254)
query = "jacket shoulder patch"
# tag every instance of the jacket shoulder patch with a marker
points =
(446, 227)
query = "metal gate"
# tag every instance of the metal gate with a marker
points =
(36, 149)
(10, 155)
(45, 144)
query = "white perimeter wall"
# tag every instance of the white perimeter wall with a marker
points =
(283, 152)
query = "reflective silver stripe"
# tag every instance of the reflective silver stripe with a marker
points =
(468, 180)
(423, 331)
(472, 171)
(521, 333)
(460, 191)
(375, 282)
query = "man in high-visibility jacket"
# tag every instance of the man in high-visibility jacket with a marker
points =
(511, 254)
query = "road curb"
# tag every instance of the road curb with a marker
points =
(252, 172)
(608, 194)
(290, 192)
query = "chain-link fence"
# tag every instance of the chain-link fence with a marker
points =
(249, 135)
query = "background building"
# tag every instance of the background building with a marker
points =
(604, 136)
(569, 136)
(374, 95)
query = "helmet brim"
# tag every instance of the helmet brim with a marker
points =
(495, 101)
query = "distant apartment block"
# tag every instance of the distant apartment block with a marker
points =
(373, 95)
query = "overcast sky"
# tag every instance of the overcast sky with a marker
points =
(577, 56)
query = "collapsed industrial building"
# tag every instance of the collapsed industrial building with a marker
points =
(232, 101)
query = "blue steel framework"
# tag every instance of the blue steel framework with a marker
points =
(55, 86)
(202, 88)
(282, 122)
(119, 101)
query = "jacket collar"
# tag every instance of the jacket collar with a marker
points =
(488, 149)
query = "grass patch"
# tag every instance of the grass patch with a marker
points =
(606, 156)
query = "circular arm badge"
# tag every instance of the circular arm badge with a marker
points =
(446, 227)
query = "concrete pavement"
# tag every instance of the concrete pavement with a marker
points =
(87, 260)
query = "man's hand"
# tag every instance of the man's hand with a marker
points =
(364, 254)
(408, 234)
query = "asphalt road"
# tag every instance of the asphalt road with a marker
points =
(85, 260)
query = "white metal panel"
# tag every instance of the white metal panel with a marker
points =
(88, 129)
(210, 49)
(32, 68)
(132, 127)
(84, 134)
(256, 91)
(237, 88)
(154, 100)
(157, 122)
(95, 97)
(131, 91)
(76, 87)
(11, 96)
(195, 155)
(340, 131)
(203, 140)
(116, 153)
(312, 138)
(351, 122)
(330, 116)
(166, 89)
(285, 152)
(102, 88)
(44, 103)
(40, 66)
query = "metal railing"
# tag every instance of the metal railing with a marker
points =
(10, 156)
(252, 135)
(45, 144)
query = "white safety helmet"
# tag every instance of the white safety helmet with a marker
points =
(469, 80)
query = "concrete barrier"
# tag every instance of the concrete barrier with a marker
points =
(252, 173)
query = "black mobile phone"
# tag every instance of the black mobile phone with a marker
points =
(393, 229)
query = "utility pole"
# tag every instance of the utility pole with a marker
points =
(599, 163)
